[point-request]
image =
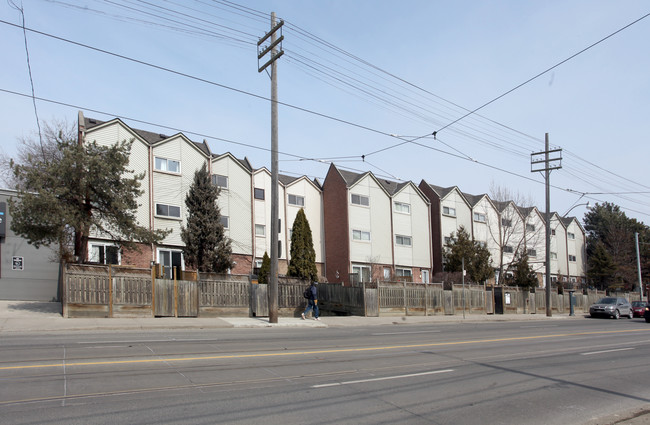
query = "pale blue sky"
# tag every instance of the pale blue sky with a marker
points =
(417, 57)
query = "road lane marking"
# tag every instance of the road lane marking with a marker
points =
(385, 378)
(607, 351)
(402, 333)
(315, 352)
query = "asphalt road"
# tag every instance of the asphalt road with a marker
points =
(562, 372)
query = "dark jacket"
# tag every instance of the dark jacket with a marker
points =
(314, 292)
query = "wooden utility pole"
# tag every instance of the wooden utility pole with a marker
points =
(552, 161)
(275, 225)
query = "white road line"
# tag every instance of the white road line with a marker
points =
(146, 340)
(400, 333)
(361, 381)
(606, 351)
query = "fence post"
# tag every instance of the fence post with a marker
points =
(175, 292)
(153, 291)
(426, 299)
(406, 309)
(110, 291)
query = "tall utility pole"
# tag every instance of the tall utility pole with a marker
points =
(638, 264)
(275, 224)
(552, 161)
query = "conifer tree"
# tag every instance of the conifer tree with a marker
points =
(207, 248)
(303, 255)
(478, 263)
(263, 274)
(522, 276)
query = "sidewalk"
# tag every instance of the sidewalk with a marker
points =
(33, 316)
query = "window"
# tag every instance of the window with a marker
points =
(104, 254)
(225, 221)
(259, 193)
(260, 230)
(506, 222)
(360, 274)
(553, 232)
(360, 200)
(530, 227)
(402, 208)
(532, 253)
(297, 200)
(164, 164)
(220, 181)
(170, 260)
(553, 255)
(572, 258)
(449, 211)
(386, 273)
(573, 279)
(164, 210)
(448, 240)
(359, 235)
(479, 217)
(403, 273)
(508, 249)
(571, 235)
(403, 240)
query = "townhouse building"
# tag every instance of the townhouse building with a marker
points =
(364, 227)
(168, 164)
(374, 229)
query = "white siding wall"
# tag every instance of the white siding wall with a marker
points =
(235, 203)
(115, 132)
(414, 224)
(374, 219)
(536, 240)
(488, 232)
(171, 188)
(463, 215)
(313, 211)
(575, 247)
(262, 215)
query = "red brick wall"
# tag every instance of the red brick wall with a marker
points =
(138, 259)
(337, 246)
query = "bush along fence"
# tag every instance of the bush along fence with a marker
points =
(123, 291)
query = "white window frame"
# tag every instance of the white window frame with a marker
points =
(449, 211)
(402, 272)
(361, 271)
(402, 208)
(168, 207)
(403, 240)
(570, 235)
(225, 220)
(553, 255)
(480, 217)
(298, 200)
(163, 164)
(532, 253)
(167, 265)
(259, 190)
(215, 181)
(358, 235)
(506, 222)
(260, 230)
(530, 227)
(95, 257)
(508, 249)
(572, 258)
(361, 200)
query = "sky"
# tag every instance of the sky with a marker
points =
(362, 83)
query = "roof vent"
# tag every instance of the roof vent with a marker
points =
(162, 136)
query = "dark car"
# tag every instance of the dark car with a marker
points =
(646, 313)
(613, 307)
(638, 308)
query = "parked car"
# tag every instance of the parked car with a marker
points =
(646, 313)
(613, 307)
(638, 308)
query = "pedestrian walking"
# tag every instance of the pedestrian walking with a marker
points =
(312, 301)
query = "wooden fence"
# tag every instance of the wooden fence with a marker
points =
(119, 291)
